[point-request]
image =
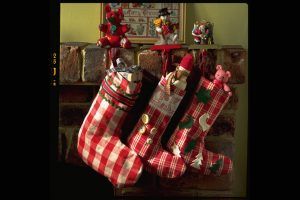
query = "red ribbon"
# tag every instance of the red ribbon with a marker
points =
(113, 54)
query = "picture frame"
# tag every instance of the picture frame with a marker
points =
(140, 17)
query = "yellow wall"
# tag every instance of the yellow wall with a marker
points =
(79, 22)
(230, 21)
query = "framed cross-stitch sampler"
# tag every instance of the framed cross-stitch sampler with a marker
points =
(140, 17)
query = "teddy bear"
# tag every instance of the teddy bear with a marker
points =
(114, 31)
(221, 78)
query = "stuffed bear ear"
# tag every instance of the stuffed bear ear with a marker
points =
(228, 74)
(219, 67)
(107, 8)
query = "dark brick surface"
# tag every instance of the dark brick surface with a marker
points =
(68, 146)
(224, 125)
(220, 146)
(150, 61)
(70, 62)
(193, 180)
(72, 115)
(73, 94)
(94, 63)
(234, 60)
(233, 101)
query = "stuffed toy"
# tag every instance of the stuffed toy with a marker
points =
(166, 30)
(187, 141)
(145, 139)
(114, 31)
(221, 78)
(99, 142)
(203, 32)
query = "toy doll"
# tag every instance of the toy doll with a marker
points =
(203, 32)
(166, 30)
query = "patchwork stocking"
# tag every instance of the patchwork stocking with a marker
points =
(99, 144)
(145, 139)
(187, 140)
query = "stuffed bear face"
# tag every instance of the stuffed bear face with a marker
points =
(114, 17)
(222, 75)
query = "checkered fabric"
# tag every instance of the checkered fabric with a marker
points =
(147, 143)
(99, 144)
(203, 115)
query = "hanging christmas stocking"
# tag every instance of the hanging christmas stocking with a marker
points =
(145, 139)
(98, 140)
(187, 141)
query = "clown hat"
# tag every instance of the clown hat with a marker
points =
(163, 12)
(186, 63)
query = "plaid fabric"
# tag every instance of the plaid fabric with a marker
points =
(180, 141)
(148, 144)
(98, 141)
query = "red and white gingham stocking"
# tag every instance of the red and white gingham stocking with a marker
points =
(99, 144)
(187, 140)
(145, 139)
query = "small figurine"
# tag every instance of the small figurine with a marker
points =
(167, 31)
(203, 32)
(221, 78)
(114, 31)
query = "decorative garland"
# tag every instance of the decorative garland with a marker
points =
(112, 103)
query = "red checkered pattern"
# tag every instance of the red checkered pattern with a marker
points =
(181, 138)
(98, 140)
(148, 144)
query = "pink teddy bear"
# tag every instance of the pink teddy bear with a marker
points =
(221, 78)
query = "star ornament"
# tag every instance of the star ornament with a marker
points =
(203, 95)
(198, 161)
